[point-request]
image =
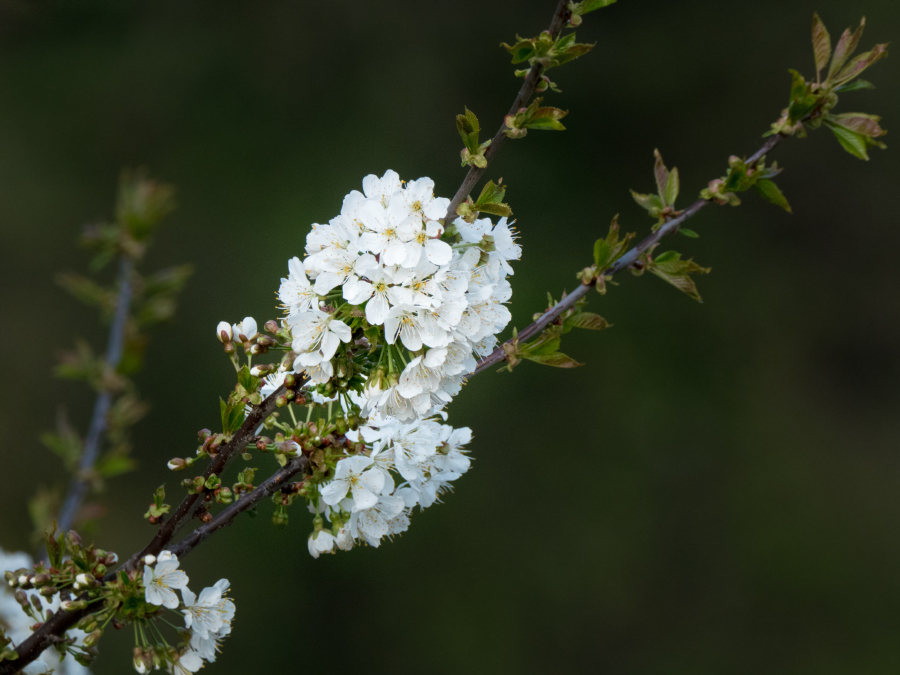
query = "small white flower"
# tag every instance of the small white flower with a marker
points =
(188, 662)
(246, 329)
(374, 523)
(351, 476)
(320, 542)
(208, 613)
(296, 292)
(317, 335)
(344, 539)
(382, 188)
(419, 199)
(161, 582)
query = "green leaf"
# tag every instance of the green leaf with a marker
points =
(821, 43)
(491, 200)
(87, 290)
(158, 508)
(601, 251)
(855, 85)
(557, 360)
(55, 548)
(610, 249)
(668, 256)
(590, 6)
(547, 119)
(587, 320)
(662, 176)
(688, 233)
(673, 187)
(677, 272)
(468, 128)
(651, 203)
(845, 48)
(232, 415)
(851, 141)
(772, 194)
(860, 63)
(861, 123)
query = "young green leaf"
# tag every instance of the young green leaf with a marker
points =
(860, 63)
(845, 47)
(671, 268)
(587, 320)
(772, 194)
(855, 85)
(557, 360)
(852, 141)
(821, 43)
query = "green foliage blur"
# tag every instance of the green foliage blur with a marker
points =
(714, 492)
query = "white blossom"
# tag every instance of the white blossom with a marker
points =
(351, 475)
(161, 582)
(209, 612)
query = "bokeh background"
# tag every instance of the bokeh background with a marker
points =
(714, 492)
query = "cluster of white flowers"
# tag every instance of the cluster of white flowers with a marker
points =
(386, 315)
(207, 617)
(425, 455)
(387, 257)
(17, 624)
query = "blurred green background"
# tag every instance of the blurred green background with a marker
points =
(714, 492)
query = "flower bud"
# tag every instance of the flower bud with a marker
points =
(139, 665)
(223, 332)
(206, 517)
(93, 638)
(290, 381)
(41, 580)
(176, 464)
(271, 326)
(149, 559)
(83, 579)
(48, 591)
(281, 401)
(72, 605)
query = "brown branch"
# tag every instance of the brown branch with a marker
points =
(622, 263)
(532, 79)
(227, 515)
(190, 504)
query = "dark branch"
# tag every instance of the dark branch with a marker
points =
(225, 517)
(80, 484)
(622, 263)
(191, 503)
(560, 17)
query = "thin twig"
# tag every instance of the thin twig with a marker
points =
(227, 515)
(560, 17)
(78, 488)
(622, 263)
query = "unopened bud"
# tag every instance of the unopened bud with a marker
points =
(223, 332)
(290, 381)
(290, 394)
(176, 464)
(48, 591)
(93, 638)
(72, 605)
(206, 517)
(281, 401)
(272, 326)
(149, 559)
